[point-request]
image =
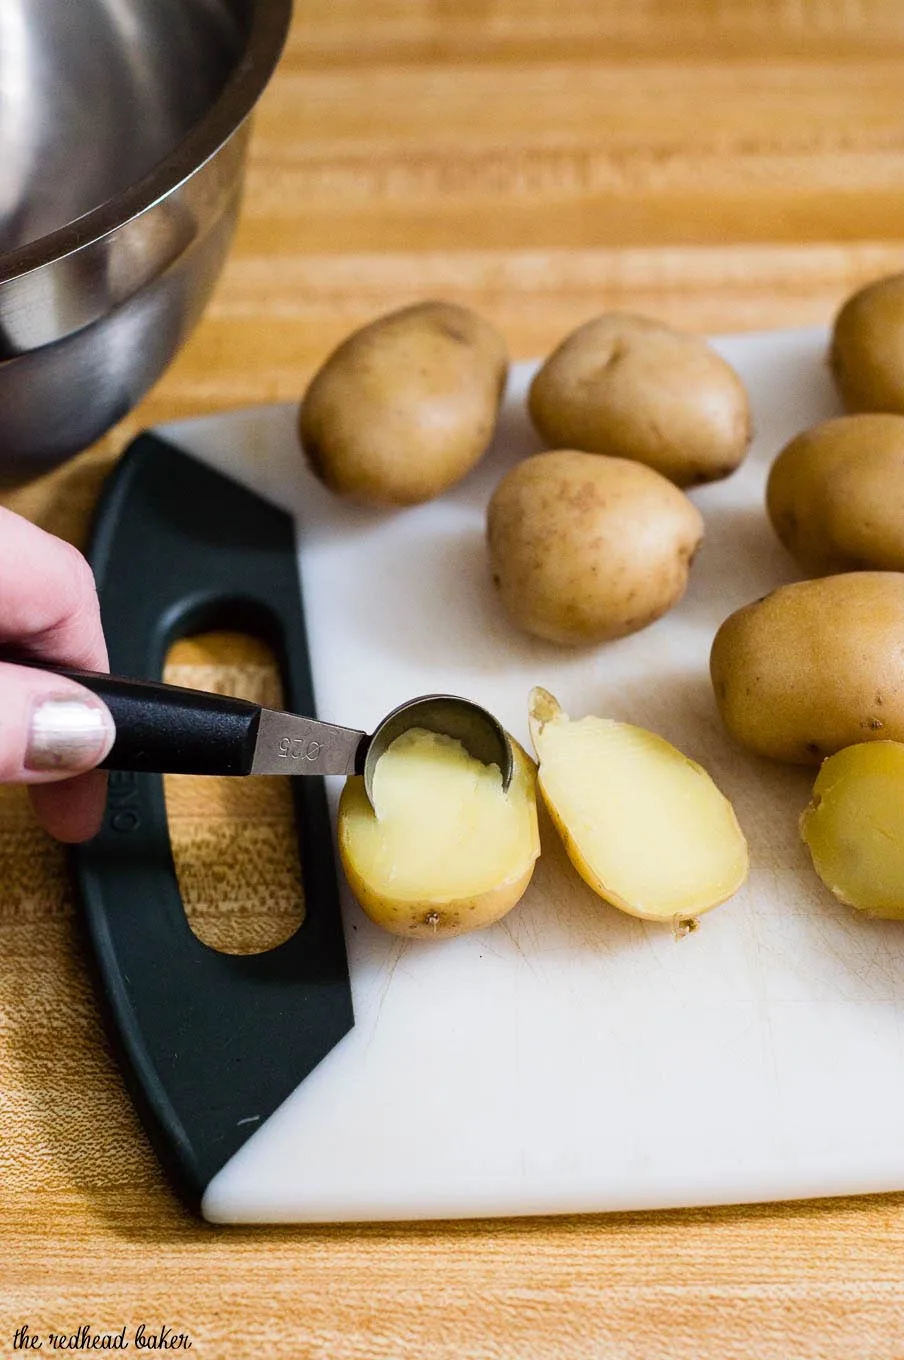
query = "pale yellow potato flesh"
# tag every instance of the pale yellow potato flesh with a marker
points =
(854, 827)
(445, 850)
(644, 826)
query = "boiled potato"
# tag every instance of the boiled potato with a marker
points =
(644, 826)
(814, 667)
(406, 406)
(835, 495)
(635, 388)
(584, 548)
(867, 350)
(446, 851)
(854, 827)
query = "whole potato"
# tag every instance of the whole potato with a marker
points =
(835, 495)
(635, 388)
(867, 350)
(405, 406)
(584, 548)
(814, 667)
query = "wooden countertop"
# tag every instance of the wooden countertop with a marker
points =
(726, 164)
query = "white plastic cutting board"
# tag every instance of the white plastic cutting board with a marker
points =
(572, 1058)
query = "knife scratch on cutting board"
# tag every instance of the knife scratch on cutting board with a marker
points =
(505, 928)
(843, 942)
(758, 977)
(399, 949)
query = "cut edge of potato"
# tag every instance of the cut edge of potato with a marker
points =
(849, 828)
(598, 864)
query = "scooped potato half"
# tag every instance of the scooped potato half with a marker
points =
(445, 850)
(634, 388)
(835, 495)
(645, 827)
(867, 350)
(585, 548)
(854, 827)
(405, 406)
(814, 667)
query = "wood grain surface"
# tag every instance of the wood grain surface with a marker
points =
(725, 164)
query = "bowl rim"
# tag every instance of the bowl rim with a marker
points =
(249, 78)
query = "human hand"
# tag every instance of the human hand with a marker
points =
(52, 731)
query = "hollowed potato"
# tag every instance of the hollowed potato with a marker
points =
(446, 851)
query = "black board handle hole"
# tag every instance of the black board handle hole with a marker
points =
(234, 841)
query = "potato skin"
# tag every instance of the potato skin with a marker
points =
(835, 495)
(814, 667)
(867, 349)
(405, 406)
(426, 919)
(585, 548)
(634, 388)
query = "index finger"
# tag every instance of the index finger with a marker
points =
(48, 599)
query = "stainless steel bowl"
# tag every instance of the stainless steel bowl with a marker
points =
(123, 131)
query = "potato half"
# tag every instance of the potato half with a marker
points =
(446, 851)
(644, 826)
(854, 827)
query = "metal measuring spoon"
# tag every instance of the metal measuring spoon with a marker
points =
(172, 730)
(307, 746)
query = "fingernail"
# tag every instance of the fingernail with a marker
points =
(68, 734)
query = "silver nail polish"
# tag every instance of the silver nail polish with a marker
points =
(67, 734)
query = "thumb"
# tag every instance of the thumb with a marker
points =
(50, 728)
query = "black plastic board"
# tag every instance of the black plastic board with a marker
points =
(210, 1044)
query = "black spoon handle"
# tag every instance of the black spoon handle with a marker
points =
(167, 728)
